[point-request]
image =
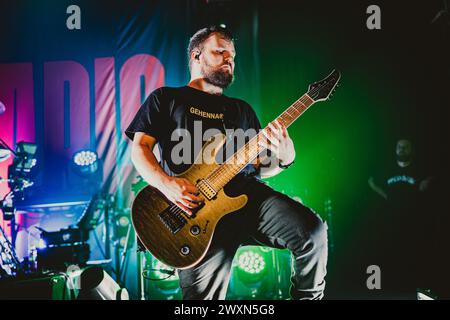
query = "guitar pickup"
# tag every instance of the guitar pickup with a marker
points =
(206, 189)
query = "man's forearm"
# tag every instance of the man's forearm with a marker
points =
(377, 189)
(148, 167)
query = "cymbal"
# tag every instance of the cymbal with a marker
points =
(4, 154)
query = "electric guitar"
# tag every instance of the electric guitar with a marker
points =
(181, 241)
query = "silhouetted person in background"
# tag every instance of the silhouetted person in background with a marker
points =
(404, 179)
(403, 227)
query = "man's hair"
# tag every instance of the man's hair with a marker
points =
(196, 41)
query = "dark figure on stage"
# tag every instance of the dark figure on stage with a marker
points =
(404, 222)
(403, 179)
(269, 217)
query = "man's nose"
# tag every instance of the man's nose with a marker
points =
(228, 58)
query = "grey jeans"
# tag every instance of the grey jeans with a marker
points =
(272, 219)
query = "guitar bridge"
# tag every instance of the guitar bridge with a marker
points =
(173, 219)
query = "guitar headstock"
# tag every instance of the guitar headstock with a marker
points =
(321, 90)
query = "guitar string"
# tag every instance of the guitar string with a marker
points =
(248, 149)
(295, 105)
(179, 210)
(221, 175)
(301, 102)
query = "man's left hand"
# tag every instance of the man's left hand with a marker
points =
(278, 141)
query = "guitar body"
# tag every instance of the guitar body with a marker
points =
(188, 245)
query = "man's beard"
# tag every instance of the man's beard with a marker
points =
(219, 78)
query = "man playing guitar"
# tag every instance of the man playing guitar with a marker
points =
(269, 218)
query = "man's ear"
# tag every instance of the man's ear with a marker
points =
(196, 54)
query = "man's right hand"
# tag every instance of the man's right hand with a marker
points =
(181, 192)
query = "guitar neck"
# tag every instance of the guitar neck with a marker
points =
(245, 155)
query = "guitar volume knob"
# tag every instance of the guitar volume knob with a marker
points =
(195, 230)
(185, 250)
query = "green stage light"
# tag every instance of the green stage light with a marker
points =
(251, 262)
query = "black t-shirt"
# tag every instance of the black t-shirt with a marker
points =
(402, 183)
(184, 116)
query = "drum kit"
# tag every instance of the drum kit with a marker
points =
(55, 233)
(51, 236)
(40, 238)
(18, 181)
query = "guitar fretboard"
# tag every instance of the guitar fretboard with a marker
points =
(238, 161)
